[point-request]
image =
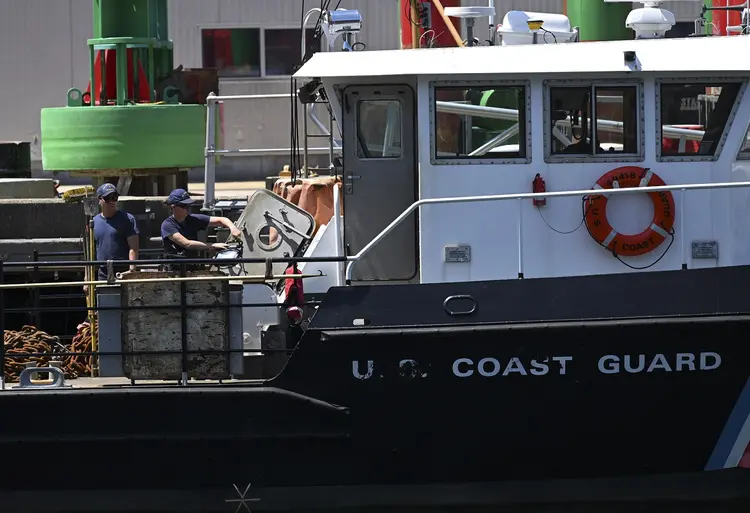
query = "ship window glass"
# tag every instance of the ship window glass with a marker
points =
(745, 150)
(694, 116)
(236, 52)
(615, 108)
(378, 129)
(480, 122)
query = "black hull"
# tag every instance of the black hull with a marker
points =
(716, 493)
(397, 413)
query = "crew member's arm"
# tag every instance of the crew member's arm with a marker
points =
(186, 243)
(226, 223)
(132, 236)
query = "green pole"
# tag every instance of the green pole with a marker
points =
(709, 16)
(599, 21)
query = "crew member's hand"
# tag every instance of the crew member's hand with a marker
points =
(218, 246)
(236, 233)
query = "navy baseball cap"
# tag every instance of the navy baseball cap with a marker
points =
(180, 197)
(105, 190)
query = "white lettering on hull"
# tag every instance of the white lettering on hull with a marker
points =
(490, 367)
(608, 364)
(356, 372)
(679, 362)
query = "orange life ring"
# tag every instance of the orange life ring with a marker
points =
(630, 245)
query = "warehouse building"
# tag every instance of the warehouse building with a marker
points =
(45, 53)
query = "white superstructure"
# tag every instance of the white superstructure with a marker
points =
(445, 123)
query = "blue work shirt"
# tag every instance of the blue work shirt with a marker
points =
(111, 238)
(188, 228)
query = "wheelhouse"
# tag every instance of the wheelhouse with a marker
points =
(447, 123)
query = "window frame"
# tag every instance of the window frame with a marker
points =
(383, 98)
(693, 80)
(551, 158)
(740, 155)
(261, 45)
(437, 84)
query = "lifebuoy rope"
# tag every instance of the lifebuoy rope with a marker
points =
(644, 180)
(614, 253)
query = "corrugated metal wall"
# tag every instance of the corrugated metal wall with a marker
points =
(44, 53)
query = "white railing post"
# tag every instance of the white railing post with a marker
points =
(520, 238)
(338, 231)
(683, 231)
(209, 173)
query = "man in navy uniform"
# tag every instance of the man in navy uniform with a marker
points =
(179, 231)
(115, 232)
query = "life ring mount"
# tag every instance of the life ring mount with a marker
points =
(661, 226)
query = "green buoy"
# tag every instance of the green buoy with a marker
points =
(122, 125)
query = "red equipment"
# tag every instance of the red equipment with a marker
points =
(110, 74)
(442, 35)
(538, 185)
(294, 295)
(724, 19)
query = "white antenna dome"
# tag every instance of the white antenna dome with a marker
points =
(650, 21)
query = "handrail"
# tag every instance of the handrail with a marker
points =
(531, 195)
(335, 225)
(211, 151)
(242, 278)
(42, 264)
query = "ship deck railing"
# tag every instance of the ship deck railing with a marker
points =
(211, 151)
(682, 189)
(184, 265)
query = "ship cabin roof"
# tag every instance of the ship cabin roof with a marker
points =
(694, 55)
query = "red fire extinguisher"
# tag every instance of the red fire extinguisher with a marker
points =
(538, 185)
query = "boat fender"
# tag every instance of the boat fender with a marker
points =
(630, 245)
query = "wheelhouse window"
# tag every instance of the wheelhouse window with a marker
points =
(695, 116)
(480, 122)
(594, 121)
(745, 150)
(378, 129)
(252, 52)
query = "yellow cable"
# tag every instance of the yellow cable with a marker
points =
(93, 315)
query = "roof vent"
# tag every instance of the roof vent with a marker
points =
(650, 21)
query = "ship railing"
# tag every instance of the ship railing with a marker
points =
(183, 305)
(211, 151)
(35, 273)
(521, 197)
